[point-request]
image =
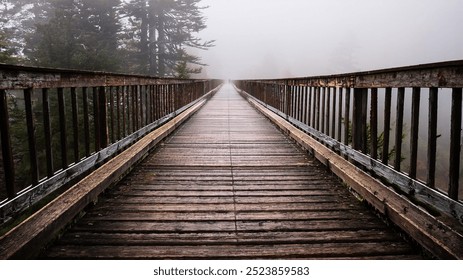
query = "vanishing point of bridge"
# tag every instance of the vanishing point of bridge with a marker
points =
(158, 169)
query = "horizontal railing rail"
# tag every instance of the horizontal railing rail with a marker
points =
(403, 125)
(57, 125)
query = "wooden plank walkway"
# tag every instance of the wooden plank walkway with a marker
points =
(228, 184)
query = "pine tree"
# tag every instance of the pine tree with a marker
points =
(162, 32)
(80, 34)
(7, 52)
(99, 27)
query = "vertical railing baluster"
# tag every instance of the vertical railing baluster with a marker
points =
(47, 132)
(124, 110)
(103, 120)
(142, 102)
(135, 118)
(347, 117)
(118, 111)
(387, 125)
(282, 97)
(96, 119)
(317, 108)
(304, 104)
(323, 109)
(455, 144)
(432, 136)
(293, 101)
(153, 103)
(129, 110)
(333, 114)
(62, 127)
(111, 113)
(399, 127)
(416, 94)
(299, 103)
(156, 102)
(162, 100)
(309, 106)
(374, 123)
(75, 124)
(7, 153)
(149, 115)
(34, 167)
(328, 111)
(359, 119)
(287, 92)
(340, 90)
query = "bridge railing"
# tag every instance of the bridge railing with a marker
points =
(403, 125)
(56, 125)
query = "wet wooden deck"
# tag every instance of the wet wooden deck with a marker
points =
(228, 184)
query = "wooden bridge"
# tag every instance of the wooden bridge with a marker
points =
(151, 168)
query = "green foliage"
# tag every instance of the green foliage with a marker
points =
(7, 52)
(379, 142)
(182, 71)
(161, 30)
(79, 35)
(138, 36)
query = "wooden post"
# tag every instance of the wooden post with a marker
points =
(136, 111)
(34, 169)
(374, 123)
(118, 112)
(310, 106)
(75, 124)
(103, 122)
(432, 136)
(340, 114)
(86, 121)
(47, 131)
(327, 112)
(323, 109)
(359, 120)
(414, 131)
(455, 142)
(62, 128)
(333, 116)
(346, 117)
(317, 108)
(111, 113)
(288, 99)
(387, 125)
(96, 119)
(399, 128)
(7, 154)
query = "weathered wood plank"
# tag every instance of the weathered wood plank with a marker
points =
(224, 238)
(228, 207)
(333, 250)
(224, 216)
(229, 181)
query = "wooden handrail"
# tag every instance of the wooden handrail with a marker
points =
(342, 111)
(58, 124)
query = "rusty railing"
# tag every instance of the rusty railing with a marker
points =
(403, 125)
(56, 125)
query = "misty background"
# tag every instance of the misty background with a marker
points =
(287, 38)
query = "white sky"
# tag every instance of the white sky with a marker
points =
(283, 38)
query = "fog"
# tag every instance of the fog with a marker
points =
(288, 38)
